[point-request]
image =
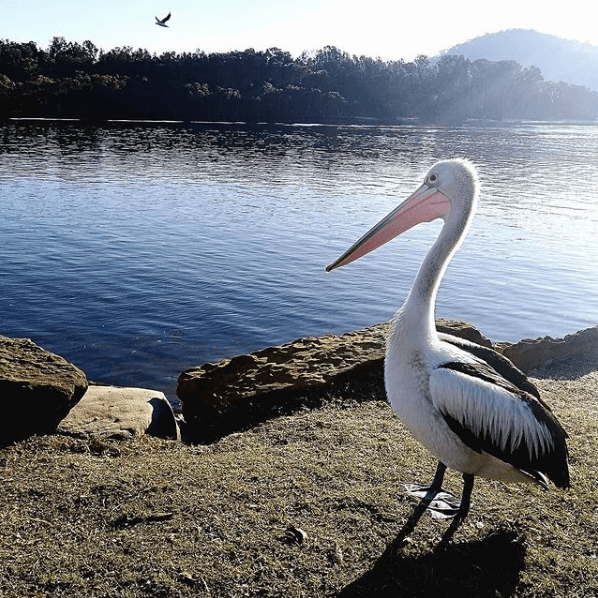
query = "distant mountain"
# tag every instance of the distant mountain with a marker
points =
(559, 59)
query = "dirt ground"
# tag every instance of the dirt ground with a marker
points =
(305, 504)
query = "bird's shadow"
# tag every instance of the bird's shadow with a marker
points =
(486, 567)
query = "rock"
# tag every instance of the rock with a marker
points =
(530, 354)
(37, 389)
(114, 412)
(294, 535)
(208, 391)
(462, 330)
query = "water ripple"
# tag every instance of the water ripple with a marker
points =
(139, 250)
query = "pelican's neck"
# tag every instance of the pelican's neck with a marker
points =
(416, 317)
(415, 321)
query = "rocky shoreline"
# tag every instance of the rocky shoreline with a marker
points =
(44, 393)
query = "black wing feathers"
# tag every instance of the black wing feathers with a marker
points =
(552, 462)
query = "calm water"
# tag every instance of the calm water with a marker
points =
(137, 251)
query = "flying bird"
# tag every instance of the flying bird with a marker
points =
(468, 405)
(162, 22)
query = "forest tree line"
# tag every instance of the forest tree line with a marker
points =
(72, 80)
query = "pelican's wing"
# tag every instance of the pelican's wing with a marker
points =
(492, 415)
(166, 18)
(499, 362)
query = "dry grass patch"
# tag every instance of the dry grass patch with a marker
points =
(154, 518)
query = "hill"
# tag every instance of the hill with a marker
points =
(559, 59)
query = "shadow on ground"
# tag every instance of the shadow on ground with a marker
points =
(487, 567)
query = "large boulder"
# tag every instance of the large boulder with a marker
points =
(530, 354)
(208, 390)
(462, 330)
(37, 389)
(114, 412)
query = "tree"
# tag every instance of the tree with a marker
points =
(69, 79)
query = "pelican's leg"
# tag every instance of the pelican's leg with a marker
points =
(436, 484)
(465, 497)
(430, 490)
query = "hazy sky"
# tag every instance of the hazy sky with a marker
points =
(375, 28)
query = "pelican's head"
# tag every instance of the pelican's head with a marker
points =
(456, 179)
(449, 191)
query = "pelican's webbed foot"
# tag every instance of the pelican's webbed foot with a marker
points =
(440, 503)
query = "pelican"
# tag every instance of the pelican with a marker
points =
(469, 406)
(162, 22)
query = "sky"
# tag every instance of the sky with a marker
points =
(374, 28)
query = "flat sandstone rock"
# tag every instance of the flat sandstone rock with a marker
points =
(109, 411)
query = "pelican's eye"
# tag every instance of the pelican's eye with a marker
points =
(433, 179)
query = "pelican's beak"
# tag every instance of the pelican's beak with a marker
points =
(426, 204)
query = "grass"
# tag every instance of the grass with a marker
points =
(307, 504)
